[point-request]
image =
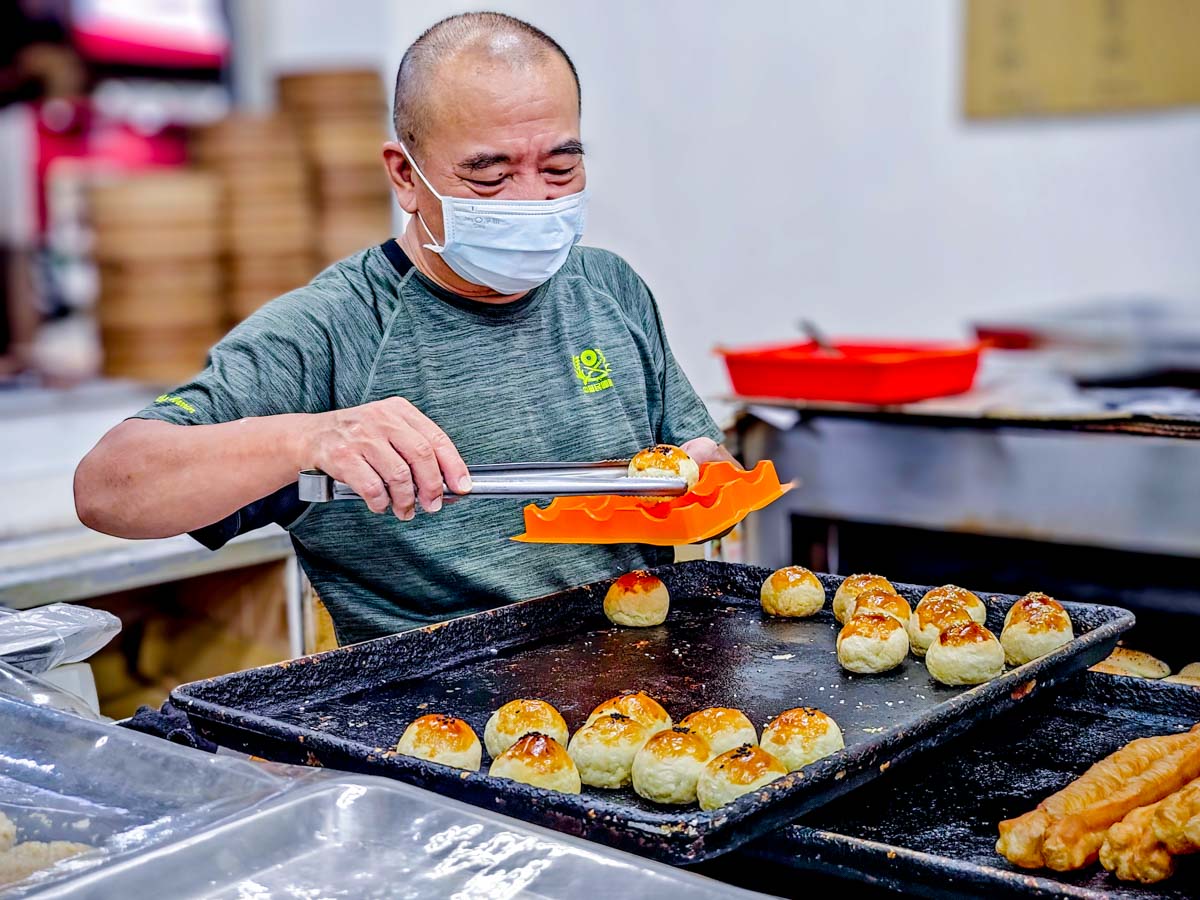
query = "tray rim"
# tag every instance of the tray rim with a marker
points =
(684, 835)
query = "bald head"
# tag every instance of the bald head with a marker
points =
(483, 39)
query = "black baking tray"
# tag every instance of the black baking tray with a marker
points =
(346, 708)
(930, 829)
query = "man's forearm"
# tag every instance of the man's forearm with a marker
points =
(149, 479)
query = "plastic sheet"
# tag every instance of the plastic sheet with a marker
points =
(169, 821)
(29, 689)
(37, 640)
(371, 837)
(63, 777)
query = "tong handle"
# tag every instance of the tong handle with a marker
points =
(314, 486)
(529, 480)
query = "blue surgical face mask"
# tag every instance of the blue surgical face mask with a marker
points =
(511, 246)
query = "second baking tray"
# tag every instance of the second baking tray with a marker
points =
(347, 708)
(934, 824)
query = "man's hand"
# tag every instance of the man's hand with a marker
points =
(389, 452)
(706, 450)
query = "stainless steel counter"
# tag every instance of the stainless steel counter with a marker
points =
(79, 564)
(1119, 491)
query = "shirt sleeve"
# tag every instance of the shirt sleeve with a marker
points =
(280, 360)
(683, 416)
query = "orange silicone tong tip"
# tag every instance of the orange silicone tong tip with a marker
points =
(722, 497)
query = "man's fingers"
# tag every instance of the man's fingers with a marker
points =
(365, 482)
(396, 475)
(454, 470)
(418, 452)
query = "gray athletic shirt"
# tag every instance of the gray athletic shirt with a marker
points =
(577, 370)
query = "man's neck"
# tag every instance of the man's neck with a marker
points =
(412, 241)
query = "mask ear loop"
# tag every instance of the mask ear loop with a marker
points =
(435, 246)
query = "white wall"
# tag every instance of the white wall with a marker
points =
(757, 161)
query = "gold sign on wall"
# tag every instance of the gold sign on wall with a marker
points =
(1044, 57)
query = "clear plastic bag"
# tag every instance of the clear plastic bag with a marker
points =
(68, 778)
(19, 685)
(369, 837)
(165, 820)
(37, 640)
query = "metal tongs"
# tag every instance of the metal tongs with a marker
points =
(528, 480)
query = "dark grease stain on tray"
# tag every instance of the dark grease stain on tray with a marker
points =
(949, 808)
(347, 708)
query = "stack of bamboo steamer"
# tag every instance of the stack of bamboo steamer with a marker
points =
(341, 115)
(268, 216)
(157, 246)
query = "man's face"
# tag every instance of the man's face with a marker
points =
(495, 132)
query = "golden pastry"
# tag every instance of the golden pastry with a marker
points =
(797, 737)
(604, 751)
(638, 706)
(792, 591)
(958, 596)
(870, 643)
(933, 616)
(851, 588)
(723, 728)
(668, 766)
(664, 461)
(736, 772)
(1034, 626)
(518, 718)
(965, 654)
(886, 603)
(538, 760)
(442, 739)
(637, 599)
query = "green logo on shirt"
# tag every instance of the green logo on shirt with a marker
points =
(176, 401)
(593, 370)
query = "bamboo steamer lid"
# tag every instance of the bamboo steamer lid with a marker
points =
(245, 139)
(159, 355)
(151, 198)
(353, 182)
(157, 278)
(283, 238)
(351, 212)
(135, 311)
(290, 179)
(345, 143)
(171, 240)
(264, 268)
(330, 88)
(270, 213)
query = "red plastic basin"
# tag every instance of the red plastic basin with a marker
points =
(878, 373)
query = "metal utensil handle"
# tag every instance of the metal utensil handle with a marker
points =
(317, 487)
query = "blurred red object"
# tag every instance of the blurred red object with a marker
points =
(1006, 338)
(154, 33)
(70, 130)
(877, 373)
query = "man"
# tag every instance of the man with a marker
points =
(483, 317)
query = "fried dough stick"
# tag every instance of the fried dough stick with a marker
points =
(1074, 841)
(1177, 820)
(1132, 852)
(1141, 846)
(1021, 839)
